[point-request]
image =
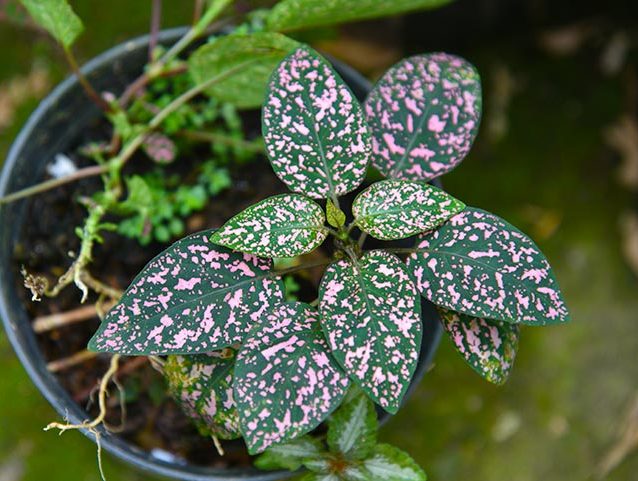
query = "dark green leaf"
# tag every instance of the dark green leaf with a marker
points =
(371, 315)
(287, 382)
(391, 464)
(246, 88)
(193, 298)
(284, 225)
(298, 14)
(480, 265)
(290, 455)
(56, 17)
(315, 133)
(488, 346)
(352, 429)
(202, 386)
(424, 115)
(396, 209)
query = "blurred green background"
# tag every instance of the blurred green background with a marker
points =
(557, 156)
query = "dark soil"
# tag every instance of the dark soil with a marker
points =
(153, 420)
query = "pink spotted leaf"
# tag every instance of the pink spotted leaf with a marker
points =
(489, 347)
(371, 316)
(195, 297)
(424, 114)
(159, 148)
(203, 387)
(396, 209)
(478, 264)
(315, 132)
(286, 380)
(286, 225)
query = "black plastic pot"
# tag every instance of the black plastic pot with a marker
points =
(55, 127)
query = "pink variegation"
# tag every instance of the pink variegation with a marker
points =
(396, 209)
(159, 148)
(193, 298)
(489, 347)
(203, 386)
(480, 265)
(286, 380)
(371, 316)
(314, 129)
(285, 225)
(424, 114)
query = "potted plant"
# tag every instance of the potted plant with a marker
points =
(245, 351)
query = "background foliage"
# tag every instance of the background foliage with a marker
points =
(541, 161)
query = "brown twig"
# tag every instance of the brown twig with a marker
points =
(71, 361)
(88, 88)
(198, 7)
(54, 321)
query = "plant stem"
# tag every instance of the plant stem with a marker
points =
(88, 88)
(362, 239)
(131, 147)
(405, 250)
(156, 18)
(214, 10)
(53, 183)
(310, 265)
(143, 80)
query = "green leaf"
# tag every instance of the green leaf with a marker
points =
(286, 225)
(139, 197)
(193, 298)
(334, 215)
(290, 455)
(371, 316)
(320, 465)
(480, 265)
(246, 88)
(352, 429)
(315, 133)
(319, 477)
(489, 347)
(396, 209)
(424, 114)
(56, 17)
(202, 386)
(287, 382)
(355, 472)
(391, 464)
(290, 15)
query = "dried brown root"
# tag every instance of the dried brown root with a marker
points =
(92, 425)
